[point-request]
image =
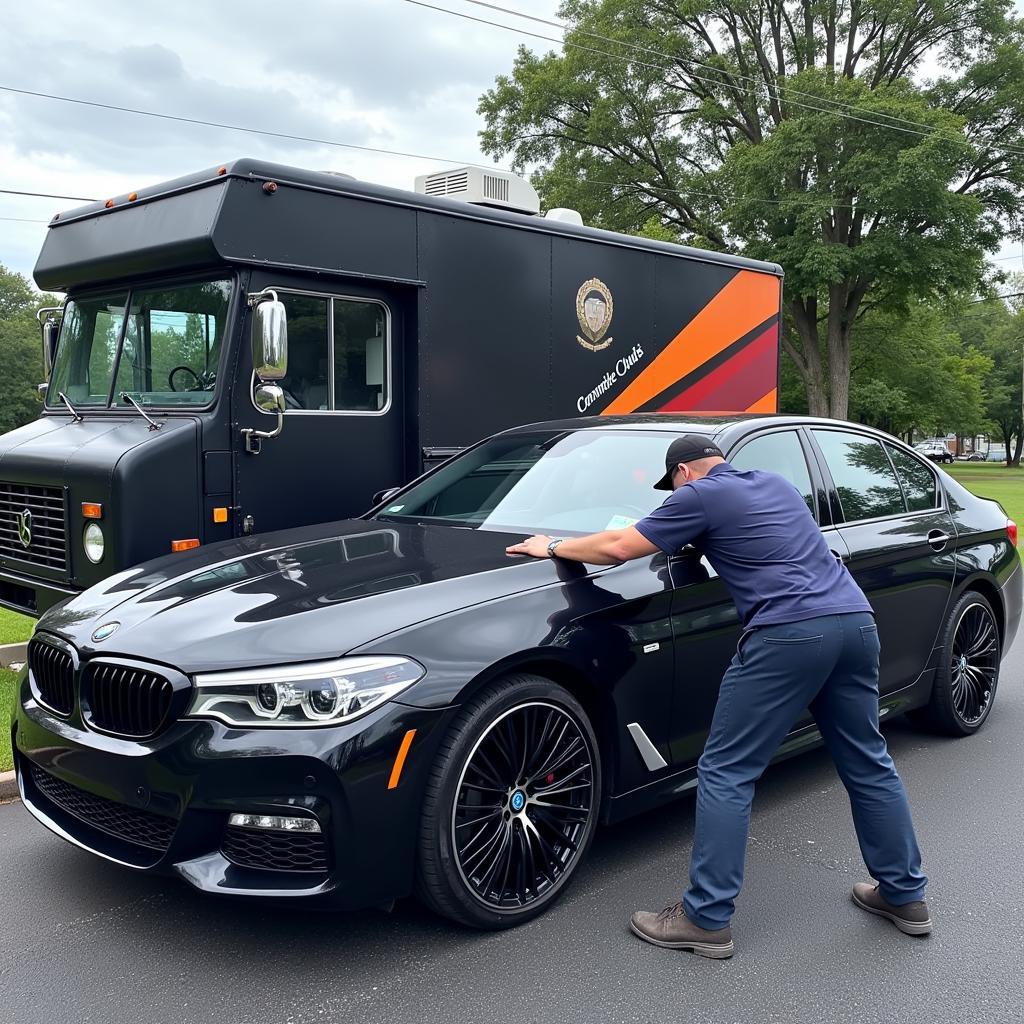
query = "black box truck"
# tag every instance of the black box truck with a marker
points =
(256, 346)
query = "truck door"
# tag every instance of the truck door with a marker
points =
(344, 426)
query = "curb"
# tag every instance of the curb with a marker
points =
(13, 653)
(8, 787)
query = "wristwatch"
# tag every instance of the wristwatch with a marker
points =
(552, 545)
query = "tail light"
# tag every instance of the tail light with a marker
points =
(1011, 531)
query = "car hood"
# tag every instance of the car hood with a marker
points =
(302, 594)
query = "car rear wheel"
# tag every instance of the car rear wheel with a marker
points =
(510, 806)
(966, 681)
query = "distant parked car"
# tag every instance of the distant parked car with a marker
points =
(934, 450)
(975, 457)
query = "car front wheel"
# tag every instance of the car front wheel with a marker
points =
(966, 680)
(510, 806)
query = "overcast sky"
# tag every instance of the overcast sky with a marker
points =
(380, 73)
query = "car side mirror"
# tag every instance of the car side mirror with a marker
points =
(269, 337)
(381, 496)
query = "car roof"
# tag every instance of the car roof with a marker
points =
(691, 423)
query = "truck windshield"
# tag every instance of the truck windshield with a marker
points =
(561, 483)
(159, 344)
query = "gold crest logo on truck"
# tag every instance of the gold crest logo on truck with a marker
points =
(594, 307)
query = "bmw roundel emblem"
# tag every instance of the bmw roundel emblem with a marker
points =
(518, 801)
(102, 632)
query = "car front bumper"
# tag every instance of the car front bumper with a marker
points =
(163, 805)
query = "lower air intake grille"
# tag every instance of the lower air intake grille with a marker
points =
(53, 673)
(127, 701)
(270, 850)
(141, 828)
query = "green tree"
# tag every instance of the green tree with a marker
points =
(789, 131)
(20, 349)
(914, 373)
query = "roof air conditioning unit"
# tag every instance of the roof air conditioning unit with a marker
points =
(497, 189)
(565, 216)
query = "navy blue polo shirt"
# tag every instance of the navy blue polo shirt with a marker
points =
(756, 531)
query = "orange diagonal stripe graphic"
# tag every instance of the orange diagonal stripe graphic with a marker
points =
(766, 403)
(744, 303)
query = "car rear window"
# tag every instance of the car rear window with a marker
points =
(919, 486)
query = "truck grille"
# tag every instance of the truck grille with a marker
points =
(53, 673)
(129, 702)
(269, 850)
(141, 828)
(36, 515)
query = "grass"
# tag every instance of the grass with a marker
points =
(993, 480)
(8, 685)
(13, 629)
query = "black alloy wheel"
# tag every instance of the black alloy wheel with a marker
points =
(966, 681)
(511, 806)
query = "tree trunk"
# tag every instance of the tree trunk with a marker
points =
(838, 367)
(808, 359)
(1017, 450)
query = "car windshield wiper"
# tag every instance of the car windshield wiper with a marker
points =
(75, 414)
(153, 425)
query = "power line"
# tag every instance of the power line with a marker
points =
(25, 220)
(45, 195)
(238, 128)
(737, 76)
(664, 67)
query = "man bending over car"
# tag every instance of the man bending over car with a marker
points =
(809, 640)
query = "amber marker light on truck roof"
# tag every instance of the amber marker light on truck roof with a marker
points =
(185, 545)
(92, 510)
(109, 204)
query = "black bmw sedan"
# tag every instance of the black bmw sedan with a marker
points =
(354, 712)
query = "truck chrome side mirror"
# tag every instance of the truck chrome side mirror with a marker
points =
(50, 328)
(270, 398)
(269, 336)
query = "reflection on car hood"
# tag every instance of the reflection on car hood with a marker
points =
(307, 593)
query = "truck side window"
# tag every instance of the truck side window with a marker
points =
(307, 384)
(360, 356)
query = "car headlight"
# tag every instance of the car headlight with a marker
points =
(92, 541)
(318, 693)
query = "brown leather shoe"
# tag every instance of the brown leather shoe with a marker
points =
(672, 929)
(910, 918)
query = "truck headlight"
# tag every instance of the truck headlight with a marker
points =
(317, 693)
(92, 541)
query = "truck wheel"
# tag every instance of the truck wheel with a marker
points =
(510, 806)
(966, 680)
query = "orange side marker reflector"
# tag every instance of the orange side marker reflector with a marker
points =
(220, 514)
(403, 752)
(92, 510)
(109, 204)
(132, 196)
(185, 545)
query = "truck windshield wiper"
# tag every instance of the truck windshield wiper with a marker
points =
(153, 425)
(75, 414)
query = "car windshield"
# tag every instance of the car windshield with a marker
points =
(160, 345)
(573, 482)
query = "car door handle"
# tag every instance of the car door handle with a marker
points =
(938, 540)
(841, 557)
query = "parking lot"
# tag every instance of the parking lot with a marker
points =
(87, 941)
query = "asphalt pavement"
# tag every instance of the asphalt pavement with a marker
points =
(85, 941)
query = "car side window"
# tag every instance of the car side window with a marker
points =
(919, 486)
(781, 453)
(864, 477)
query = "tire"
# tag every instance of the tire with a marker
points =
(468, 822)
(966, 680)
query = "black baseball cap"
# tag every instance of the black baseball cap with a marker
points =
(687, 448)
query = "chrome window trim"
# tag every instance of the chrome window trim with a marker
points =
(330, 296)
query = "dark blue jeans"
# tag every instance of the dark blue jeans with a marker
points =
(829, 664)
